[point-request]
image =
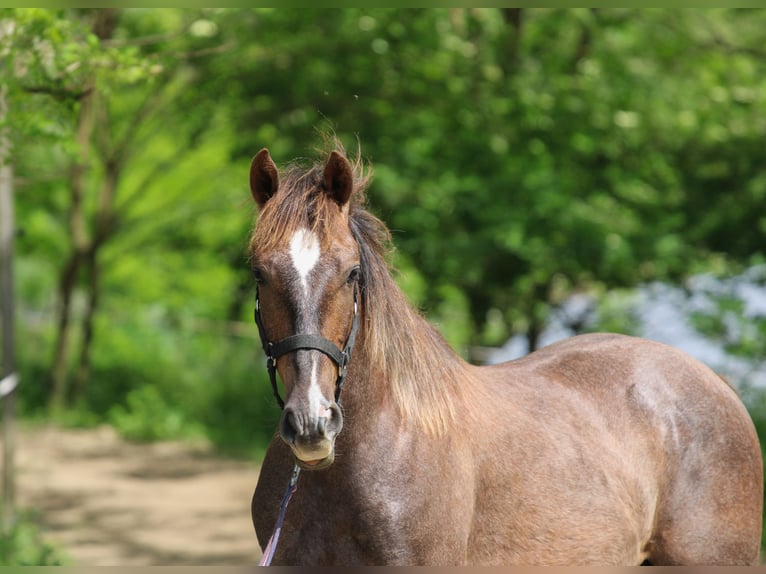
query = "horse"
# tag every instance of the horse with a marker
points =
(603, 449)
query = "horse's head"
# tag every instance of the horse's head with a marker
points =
(306, 265)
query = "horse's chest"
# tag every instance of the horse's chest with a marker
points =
(356, 530)
(382, 523)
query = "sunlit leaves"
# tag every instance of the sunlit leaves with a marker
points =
(586, 149)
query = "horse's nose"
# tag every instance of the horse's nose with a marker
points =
(298, 426)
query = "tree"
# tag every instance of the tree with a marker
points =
(521, 155)
(556, 148)
(92, 65)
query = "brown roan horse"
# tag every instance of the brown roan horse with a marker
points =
(601, 449)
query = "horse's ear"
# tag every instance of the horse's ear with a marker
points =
(338, 178)
(264, 177)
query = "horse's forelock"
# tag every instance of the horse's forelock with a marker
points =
(301, 202)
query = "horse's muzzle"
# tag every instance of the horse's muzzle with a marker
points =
(311, 436)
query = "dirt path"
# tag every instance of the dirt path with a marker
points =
(111, 503)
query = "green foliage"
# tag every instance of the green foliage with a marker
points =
(236, 405)
(616, 313)
(558, 150)
(25, 547)
(147, 416)
(755, 400)
(159, 378)
(739, 330)
(521, 155)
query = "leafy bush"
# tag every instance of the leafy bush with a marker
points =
(148, 416)
(238, 411)
(25, 546)
(166, 381)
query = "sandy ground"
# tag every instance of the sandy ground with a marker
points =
(107, 502)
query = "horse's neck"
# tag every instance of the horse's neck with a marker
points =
(419, 382)
(366, 387)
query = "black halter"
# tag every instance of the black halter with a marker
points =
(301, 341)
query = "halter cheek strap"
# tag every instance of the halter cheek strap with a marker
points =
(302, 342)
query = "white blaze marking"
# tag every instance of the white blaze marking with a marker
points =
(304, 252)
(316, 400)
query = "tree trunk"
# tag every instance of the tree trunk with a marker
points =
(113, 159)
(8, 397)
(58, 372)
(104, 230)
(83, 261)
(584, 42)
(537, 318)
(534, 330)
(80, 245)
(82, 374)
(511, 46)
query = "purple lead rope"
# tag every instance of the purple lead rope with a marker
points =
(271, 547)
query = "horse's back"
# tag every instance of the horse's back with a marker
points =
(676, 440)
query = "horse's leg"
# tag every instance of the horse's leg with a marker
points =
(690, 538)
(711, 511)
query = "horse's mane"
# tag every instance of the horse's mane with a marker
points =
(423, 372)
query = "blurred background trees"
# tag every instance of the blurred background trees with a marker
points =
(521, 156)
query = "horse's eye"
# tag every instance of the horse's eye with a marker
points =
(258, 275)
(353, 276)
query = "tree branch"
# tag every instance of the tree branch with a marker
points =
(59, 93)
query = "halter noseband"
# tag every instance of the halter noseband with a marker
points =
(303, 341)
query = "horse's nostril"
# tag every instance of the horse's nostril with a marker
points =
(322, 425)
(288, 426)
(335, 421)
